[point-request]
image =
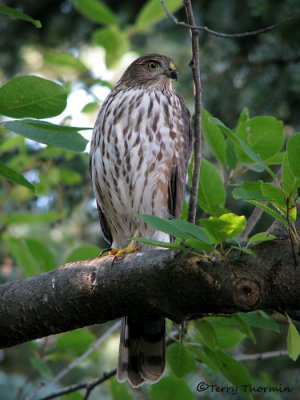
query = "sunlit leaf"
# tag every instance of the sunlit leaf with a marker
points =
(65, 137)
(96, 11)
(261, 237)
(12, 12)
(227, 226)
(31, 96)
(14, 176)
(152, 12)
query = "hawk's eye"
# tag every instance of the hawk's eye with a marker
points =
(152, 65)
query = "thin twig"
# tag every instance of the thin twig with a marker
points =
(261, 356)
(78, 360)
(195, 65)
(222, 34)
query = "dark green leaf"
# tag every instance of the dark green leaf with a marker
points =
(14, 176)
(65, 137)
(171, 388)
(119, 391)
(211, 195)
(180, 359)
(152, 12)
(19, 15)
(214, 137)
(248, 191)
(274, 194)
(259, 320)
(157, 243)
(96, 11)
(293, 151)
(31, 96)
(163, 225)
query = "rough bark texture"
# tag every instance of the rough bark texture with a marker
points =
(178, 285)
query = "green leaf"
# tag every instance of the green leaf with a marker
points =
(83, 252)
(259, 319)
(227, 226)
(90, 107)
(33, 218)
(41, 367)
(293, 341)
(263, 134)
(244, 327)
(273, 194)
(31, 96)
(214, 137)
(268, 210)
(228, 336)
(65, 137)
(66, 60)
(158, 243)
(244, 117)
(119, 391)
(190, 230)
(96, 11)
(261, 237)
(152, 12)
(290, 183)
(248, 191)
(114, 41)
(206, 333)
(211, 195)
(42, 254)
(70, 177)
(163, 225)
(76, 341)
(180, 359)
(21, 253)
(293, 151)
(208, 357)
(234, 371)
(19, 15)
(171, 388)
(14, 176)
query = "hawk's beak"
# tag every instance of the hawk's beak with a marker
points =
(172, 72)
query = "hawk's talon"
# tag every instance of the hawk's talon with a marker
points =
(131, 248)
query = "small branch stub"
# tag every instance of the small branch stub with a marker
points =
(246, 293)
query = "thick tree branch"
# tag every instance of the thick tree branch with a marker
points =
(180, 286)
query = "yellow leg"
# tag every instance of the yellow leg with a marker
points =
(131, 248)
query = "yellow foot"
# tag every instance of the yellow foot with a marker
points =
(131, 248)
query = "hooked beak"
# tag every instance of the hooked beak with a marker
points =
(172, 72)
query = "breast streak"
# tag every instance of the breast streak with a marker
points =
(145, 143)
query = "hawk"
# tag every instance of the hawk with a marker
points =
(138, 162)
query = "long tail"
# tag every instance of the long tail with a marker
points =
(142, 350)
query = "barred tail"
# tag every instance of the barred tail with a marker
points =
(142, 350)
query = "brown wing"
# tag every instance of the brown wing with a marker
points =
(177, 181)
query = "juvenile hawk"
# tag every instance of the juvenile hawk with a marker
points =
(139, 155)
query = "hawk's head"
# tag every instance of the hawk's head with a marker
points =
(151, 71)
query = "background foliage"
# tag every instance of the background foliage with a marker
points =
(76, 53)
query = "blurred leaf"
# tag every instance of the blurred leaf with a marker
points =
(31, 96)
(259, 320)
(263, 134)
(83, 252)
(33, 218)
(96, 11)
(41, 367)
(152, 12)
(207, 333)
(180, 359)
(14, 176)
(261, 237)
(19, 15)
(114, 41)
(244, 327)
(211, 195)
(76, 342)
(69, 176)
(290, 183)
(90, 107)
(227, 226)
(231, 159)
(207, 356)
(21, 253)
(268, 210)
(293, 341)
(171, 388)
(65, 137)
(293, 151)
(214, 137)
(244, 117)
(66, 60)
(42, 254)
(119, 391)
(72, 396)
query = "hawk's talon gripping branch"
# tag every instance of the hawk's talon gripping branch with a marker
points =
(131, 248)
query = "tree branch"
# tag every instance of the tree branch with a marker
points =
(177, 285)
(192, 25)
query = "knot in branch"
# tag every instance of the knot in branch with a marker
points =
(245, 293)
